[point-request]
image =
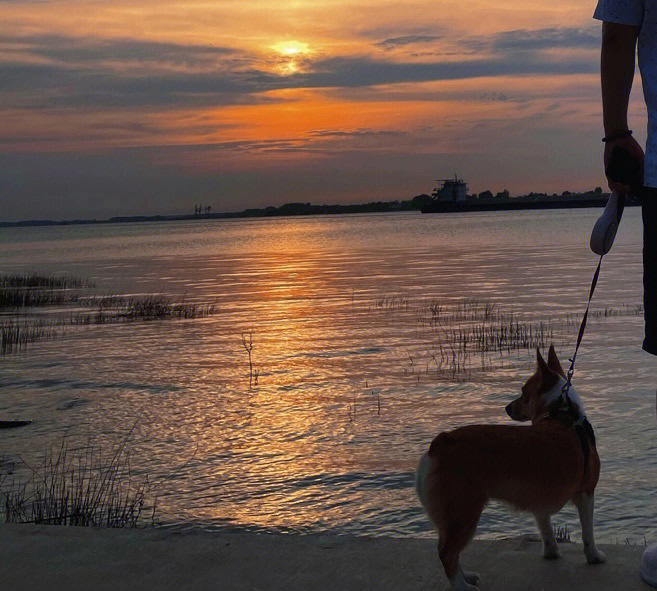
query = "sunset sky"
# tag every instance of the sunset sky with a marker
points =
(150, 107)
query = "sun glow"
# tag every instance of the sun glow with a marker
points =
(291, 48)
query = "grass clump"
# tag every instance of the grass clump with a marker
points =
(74, 304)
(464, 335)
(154, 307)
(504, 336)
(31, 290)
(561, 534)
(42, 281)
(18, 333)
(113, 309)
(79, 487)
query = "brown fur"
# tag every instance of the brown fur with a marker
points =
(537, 468)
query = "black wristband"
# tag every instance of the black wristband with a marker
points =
(618, 135)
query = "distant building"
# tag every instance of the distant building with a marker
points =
(451, 190)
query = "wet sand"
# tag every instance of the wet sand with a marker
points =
(71, 559)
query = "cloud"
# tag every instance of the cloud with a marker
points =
(407, 40)
(356, 133)
(365, 71)
(42, 86)
(505, 42)
(552, 38)
(83, 50)
(117, 73)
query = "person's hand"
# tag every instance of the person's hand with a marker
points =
(632, 146)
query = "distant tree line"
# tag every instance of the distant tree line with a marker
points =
(505, 194)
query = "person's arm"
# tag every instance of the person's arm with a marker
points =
(617, 73)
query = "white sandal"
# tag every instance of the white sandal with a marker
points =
(649, 565)
(604, 231)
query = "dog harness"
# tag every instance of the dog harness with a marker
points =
(569, 417)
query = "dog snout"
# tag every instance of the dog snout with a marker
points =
(516, 412)
(510, 409)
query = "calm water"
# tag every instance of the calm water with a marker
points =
(349, 391)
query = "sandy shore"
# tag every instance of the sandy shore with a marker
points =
(68, 559)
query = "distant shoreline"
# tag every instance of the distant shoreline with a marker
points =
(423, 203)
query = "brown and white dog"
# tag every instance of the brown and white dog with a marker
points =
(537, 468)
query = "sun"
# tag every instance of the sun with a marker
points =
(291, 48)
(290, 53)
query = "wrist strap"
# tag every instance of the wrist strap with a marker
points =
(618, 135)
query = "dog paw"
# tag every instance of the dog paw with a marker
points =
(595, 557)
(465, 581)
(471, 578)
(551, 553)
(464, 586)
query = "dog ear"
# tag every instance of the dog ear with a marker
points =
(553, 362)
(543, 368)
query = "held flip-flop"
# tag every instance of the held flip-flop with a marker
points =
(604, 231)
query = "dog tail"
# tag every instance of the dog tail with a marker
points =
(441, 441)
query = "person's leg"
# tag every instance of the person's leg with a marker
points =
(649, 214)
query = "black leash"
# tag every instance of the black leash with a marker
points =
(608, 242)
(569, 415)
(582, 327)
(582, 426)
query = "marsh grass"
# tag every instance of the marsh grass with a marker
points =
(467, 310)
(43, 281)
(16, 334)
(75, 304)
(561, 534)
(628, 542)
(79, 487)
(392, 303)
(113, 309)
(464, 336)
(606, 312)
(32, 290)
(503, 336)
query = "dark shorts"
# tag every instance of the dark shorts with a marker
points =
(649, 214)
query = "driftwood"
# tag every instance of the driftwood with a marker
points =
(13, 424)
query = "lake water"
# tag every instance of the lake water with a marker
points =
(354, 377)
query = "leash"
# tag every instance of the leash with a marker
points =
(582, 327)
(602, 239)
(580, 423)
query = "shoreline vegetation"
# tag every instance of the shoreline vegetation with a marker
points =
(424, 203)
(77, 485)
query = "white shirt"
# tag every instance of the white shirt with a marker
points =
(640, 13)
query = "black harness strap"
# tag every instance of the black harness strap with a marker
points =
(585, 433)
(583, 429)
